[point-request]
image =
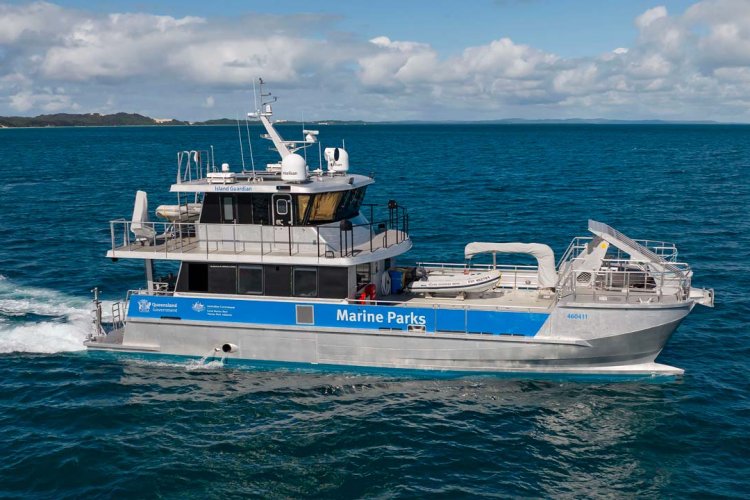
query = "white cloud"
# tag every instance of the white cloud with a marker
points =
(679, 66)
(48, 101)
(651, 15)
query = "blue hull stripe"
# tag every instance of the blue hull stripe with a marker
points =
(349, 316)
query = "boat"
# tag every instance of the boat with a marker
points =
(289, 265)
(454, 281)
(179, 213)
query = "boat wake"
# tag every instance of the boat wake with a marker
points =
(40, 320)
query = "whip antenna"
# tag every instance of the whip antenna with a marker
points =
(250, 145)
(239, 136)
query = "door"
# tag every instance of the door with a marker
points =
(281, 209)
(228, 219)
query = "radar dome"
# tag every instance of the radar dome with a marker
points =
(293, 168)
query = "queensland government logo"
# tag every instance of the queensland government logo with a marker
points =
(144, 306)
(198, 307)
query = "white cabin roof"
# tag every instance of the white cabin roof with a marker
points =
(246, 183)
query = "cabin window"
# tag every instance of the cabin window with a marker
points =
(222, 278)
(282, 206)
(303, 201)
(244, 208)
(261, 204)
(278, 280)
(193, 277)
(250, 280)
(305, 282)
(210, 212)
(333, 282)
(324, 207)
(357, 200)
(343, 209)
(227, 208)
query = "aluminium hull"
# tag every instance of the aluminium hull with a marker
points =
(620, 352)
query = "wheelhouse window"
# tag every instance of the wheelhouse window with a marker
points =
(305, 282)
(303, 202)
(324, 207)
(227, 209)
(261, 204)
(250, 280)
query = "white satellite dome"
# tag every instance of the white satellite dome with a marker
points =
(293, 168)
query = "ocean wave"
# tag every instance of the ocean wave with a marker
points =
(56, 322)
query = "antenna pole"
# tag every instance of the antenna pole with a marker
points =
(250, 145)
(242, 152)
(304, 149)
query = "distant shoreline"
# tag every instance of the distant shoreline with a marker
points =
(66, 120)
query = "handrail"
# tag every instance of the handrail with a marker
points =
(168, 238)
(646, 283)
(663, 249)
(192, 165)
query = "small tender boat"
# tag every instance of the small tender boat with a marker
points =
(179, 213)
(454, 281)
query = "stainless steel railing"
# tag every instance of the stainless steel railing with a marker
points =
(662, 249)
(628, 281)
(165, 239)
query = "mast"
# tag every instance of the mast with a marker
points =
(265, 113)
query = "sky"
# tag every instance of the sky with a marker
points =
(380, 60)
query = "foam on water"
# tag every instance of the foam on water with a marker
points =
(188, 365)
(60, 324)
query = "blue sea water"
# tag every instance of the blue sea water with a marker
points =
(74, 424)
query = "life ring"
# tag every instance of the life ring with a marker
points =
(385, 284)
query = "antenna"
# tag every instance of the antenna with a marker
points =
(255, 97)
(304, 150)
(239, 136)
(250, 145)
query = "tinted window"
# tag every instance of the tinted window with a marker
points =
(324, 206)
(244, 208)
(282, 207)
(305, 282)
(210, 211)
(261, 208)
(227, 208)
(250, 280)
(222, 278)
(278, 280)
(333, 282)
(193, 277)
(303, 201)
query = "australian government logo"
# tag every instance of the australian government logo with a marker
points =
(198, 307)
